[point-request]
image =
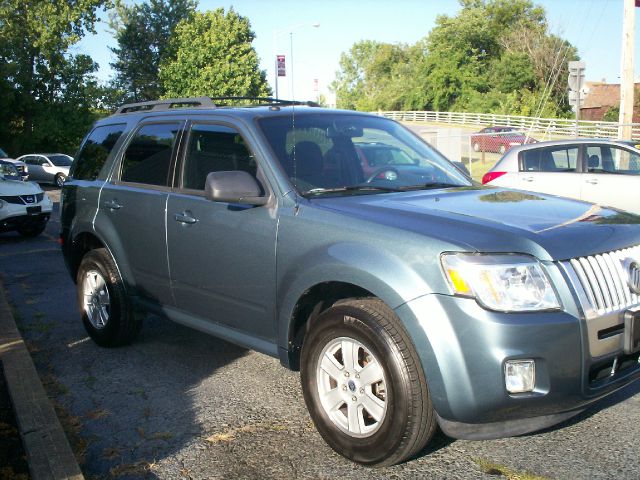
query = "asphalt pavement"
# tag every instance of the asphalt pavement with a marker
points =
(179, 404)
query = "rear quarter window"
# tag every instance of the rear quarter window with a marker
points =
(95, 151)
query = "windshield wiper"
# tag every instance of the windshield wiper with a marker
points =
(352, 188)
(429, 186)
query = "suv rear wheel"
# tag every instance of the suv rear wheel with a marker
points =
(364, 386)
(107, 314)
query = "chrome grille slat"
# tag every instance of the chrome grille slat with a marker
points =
(584, 281)
(593, 282)
(622, 293)
(608, 278)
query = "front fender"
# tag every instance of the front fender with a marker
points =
(380, 272)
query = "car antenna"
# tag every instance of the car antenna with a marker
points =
(296, 206)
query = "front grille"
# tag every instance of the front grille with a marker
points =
(604, 279)
(24, 199)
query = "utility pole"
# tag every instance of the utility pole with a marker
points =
(627, 70)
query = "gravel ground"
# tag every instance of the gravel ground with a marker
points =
(179, 404)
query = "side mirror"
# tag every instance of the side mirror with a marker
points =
(234, 187)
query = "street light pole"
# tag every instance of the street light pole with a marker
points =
(293, 97)
(277, 34)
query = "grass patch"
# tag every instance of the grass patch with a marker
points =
(97, 414)
(231, 434)
(138, 469)
(90, 382)
(491, 468)
(39, 326)
(72, 427)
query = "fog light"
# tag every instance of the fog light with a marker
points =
(520, 375)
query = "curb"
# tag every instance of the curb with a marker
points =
(48, 452)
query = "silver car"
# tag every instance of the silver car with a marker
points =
(48, 167)
(606, 172)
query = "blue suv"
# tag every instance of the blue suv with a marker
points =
(409, 296)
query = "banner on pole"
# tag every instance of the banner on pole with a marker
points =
(282, 71)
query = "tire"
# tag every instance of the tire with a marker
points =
(395, 417)
(476, 147)
(32, 230)
(59, 180)
(106, 311)
(502, 149)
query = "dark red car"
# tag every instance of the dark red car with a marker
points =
(499, 139)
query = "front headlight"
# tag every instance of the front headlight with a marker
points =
(508, 283)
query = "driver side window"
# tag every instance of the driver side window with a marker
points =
(214, 148)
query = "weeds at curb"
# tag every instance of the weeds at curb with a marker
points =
(491, 468)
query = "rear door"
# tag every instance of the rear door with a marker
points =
(553, 170)
(222, 255)
(36, 170)
(612, 177)
(131, 213)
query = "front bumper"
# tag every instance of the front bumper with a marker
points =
(14, 216)
(463, 349)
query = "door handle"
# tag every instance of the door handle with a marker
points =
(112, 205)
(527, 179)
(592, 181)
(184, 218)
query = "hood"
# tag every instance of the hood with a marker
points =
(488, 219)
(18, 187)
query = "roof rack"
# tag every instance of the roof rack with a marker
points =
(210, 102)
(267, 101)
(165, 104)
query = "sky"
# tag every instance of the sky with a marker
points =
(593, 26)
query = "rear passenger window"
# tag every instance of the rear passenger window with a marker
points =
(563, 159)
(214, 148)
(95, 150)
(147, 158)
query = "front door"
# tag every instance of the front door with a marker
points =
(221, 255)
(611, 177)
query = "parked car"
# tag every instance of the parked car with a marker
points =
(24, 207)
(606, 172)
(21, 166)
(405, 303)
(374, 155)
(48, 167)
(499, 139)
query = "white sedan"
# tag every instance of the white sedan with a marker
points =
(48, 167)
(606, 172)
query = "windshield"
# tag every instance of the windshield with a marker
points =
(355, 154)
(61, 160)
(8, 171)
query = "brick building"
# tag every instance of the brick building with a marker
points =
(603, 96)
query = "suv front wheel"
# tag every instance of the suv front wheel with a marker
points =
(364, 386)
(107, 314)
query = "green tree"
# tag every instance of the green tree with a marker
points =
(221, 63)
(493, 56)
(143, 32)
(44, 88)
(372, 76)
